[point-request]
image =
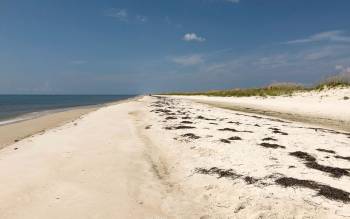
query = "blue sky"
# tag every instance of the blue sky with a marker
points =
(115, 47)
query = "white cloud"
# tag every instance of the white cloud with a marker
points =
(120, 14)
(193, 37)
(141, 18)
(330, 36)
(188, 60)
(233, 1)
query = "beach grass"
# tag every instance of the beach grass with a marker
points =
(271, 90)
(340, 80)
(275, 89)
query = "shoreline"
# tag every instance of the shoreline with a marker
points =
(41, 111)
(38, 114)
(15, 131)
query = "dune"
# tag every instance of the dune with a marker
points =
(327, 107)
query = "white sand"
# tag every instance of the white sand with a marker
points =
(122, 162)
(95, 169)
(324, 105)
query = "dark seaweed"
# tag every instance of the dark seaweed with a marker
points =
(233, 130)
(310, 162)
(274, 146)
(170, 117)
(269, 139)
(229, 173)
(190, 135)
(186, 117)
(323, 190)
(303, 155)
(250, 180)
(234, 138)
(222, 173)
(179, 127)
(334, 171)
(341, 157)
(204, 118)
(278, 131)
(327, 151)
(225, 141)
(187, 122)
(228, 129)
(232, 122)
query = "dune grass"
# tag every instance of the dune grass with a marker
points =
(340, 80)
(271, 90)
(276, 89)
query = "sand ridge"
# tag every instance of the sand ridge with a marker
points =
(327, 107)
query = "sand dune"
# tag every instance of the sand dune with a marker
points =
(159, 157)
(327, 107)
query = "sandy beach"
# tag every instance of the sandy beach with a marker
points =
(207, 109)
(14, 132)
(178, 157)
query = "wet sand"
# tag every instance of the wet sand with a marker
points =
(14, 132)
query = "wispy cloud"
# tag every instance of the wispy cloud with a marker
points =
(78, 62)
(188, 60)
(337, 36)
(168, 21)
(342, 69)
(141, 18)
(120, 14)
(320, 53)
(233, 1)
(273, 61)
(300, 65)
(193, 37)
(123, 14)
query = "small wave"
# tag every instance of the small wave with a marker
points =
(31, 115)
(23, 117)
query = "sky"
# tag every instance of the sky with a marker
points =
(139, 46)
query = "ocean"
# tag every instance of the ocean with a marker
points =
(14, 108)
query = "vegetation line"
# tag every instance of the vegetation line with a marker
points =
(276, 89)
